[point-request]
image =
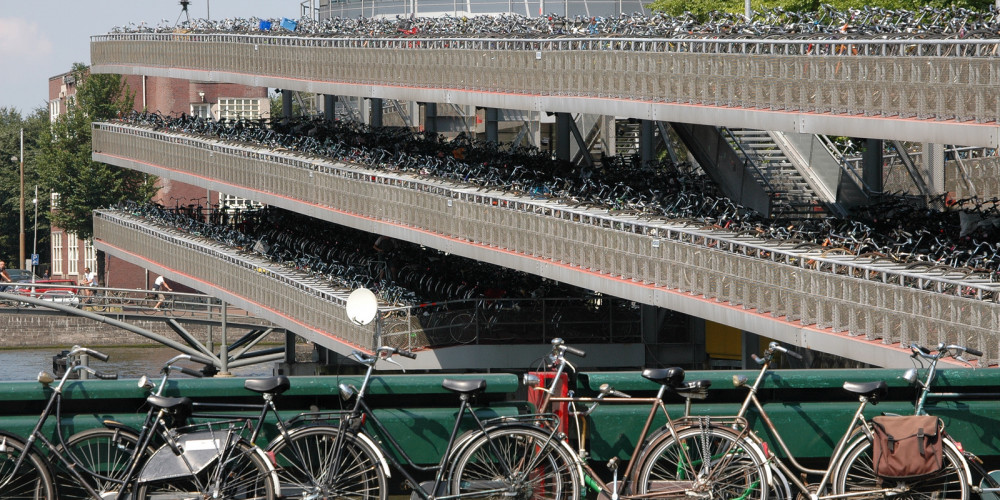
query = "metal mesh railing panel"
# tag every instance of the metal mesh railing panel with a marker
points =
(676, 258)
(782, 77)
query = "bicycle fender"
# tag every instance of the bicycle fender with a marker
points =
(377, 451)
(966, 469)
(271, 469)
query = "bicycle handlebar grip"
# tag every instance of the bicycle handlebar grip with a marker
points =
(574, 351)
(189, 372)
(106, 376)
(921, 349)
(793, 354)
(99, 355)
(406, 354)
(757, 359)
(974, 352)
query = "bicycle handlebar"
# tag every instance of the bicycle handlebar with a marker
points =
(559, 346)
(79, 349)
(943, 351)
(189, 372)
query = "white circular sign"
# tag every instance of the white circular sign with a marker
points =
(362, 306)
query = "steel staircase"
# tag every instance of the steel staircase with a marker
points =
(791, 194)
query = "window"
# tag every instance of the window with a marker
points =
(201, 110)
(54, 109)
(233, 108)
(232, 202)
(89, 255)
(54, 201)
(72, 254)
(57, 256)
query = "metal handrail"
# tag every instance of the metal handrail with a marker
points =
(799, 47)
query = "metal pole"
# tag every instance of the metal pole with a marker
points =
(22, 198)
(34, 241)
(224, 345)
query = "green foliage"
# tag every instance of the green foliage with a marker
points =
(64, 156)
(11, 123)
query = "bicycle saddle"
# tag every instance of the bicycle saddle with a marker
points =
(671, 377)
(182, 404)
(874, 391)
(464, 386)
(270, 385)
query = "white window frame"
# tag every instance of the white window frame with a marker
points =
(201, 110)
(57, 256)
(89, 255)
(54, 200)
(231, 108)
(72, 254)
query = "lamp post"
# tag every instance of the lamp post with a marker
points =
(22, 198)
(34, 240)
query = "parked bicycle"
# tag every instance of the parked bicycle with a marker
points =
(843, 477)
(682, 459)
(191, 463)
(357, 461)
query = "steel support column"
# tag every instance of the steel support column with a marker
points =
(329, 107)
(286, 103)
(492, 125)
(647, 136)
(871, 165)
(430, 117)
(564, 122)
(933, 167)
(375, 112)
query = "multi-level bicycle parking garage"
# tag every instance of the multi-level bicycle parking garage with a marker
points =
(931, 91)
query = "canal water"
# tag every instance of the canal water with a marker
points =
(127, 362)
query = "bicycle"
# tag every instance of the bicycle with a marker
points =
(356, 462)
(684, 458)
(841, 478)
(207, 465)
(862, 471)
(106, 455)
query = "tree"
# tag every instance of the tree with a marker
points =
(64, 155)
(11, 123)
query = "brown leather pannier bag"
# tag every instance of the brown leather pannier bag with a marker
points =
(907, 446)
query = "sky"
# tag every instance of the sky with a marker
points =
(41, 39)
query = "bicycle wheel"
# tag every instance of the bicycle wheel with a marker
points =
(102, 456)
(242, 474)
(462, 328)
(703, 461)
(31, 480)
(516, 463)
(310, 465)
(856, 474)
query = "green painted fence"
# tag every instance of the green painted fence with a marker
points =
(808, 406)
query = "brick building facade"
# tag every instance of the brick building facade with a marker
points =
(170, 97)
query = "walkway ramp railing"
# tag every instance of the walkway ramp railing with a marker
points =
(659, 262)
(940, 91)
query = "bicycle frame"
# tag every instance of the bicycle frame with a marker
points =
(857, 425)
(352, 422)
(617, 488)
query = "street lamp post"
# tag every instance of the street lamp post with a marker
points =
(34, 240)
(22, 197)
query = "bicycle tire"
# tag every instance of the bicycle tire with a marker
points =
(242, 475)
(856, 473)
(32, 480)
(676, 465)
(540, 467)
(309, 465)
(102, 456)
(462, 328)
